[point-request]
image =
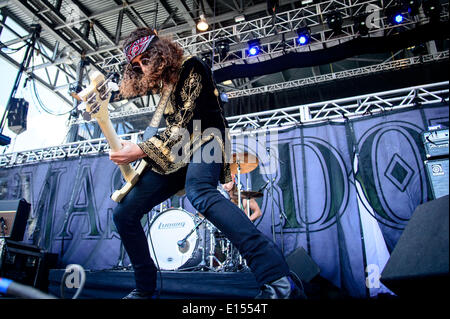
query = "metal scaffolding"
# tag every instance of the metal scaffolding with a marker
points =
(335, 110)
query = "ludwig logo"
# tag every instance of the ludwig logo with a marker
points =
(171, 225)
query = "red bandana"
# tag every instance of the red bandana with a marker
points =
(138, 47)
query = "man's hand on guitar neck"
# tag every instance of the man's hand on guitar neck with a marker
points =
(130, 152)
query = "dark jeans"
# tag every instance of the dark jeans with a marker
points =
(200, 181)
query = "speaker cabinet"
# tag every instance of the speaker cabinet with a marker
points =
(27, 264)
(17, 116)
(419, 263)
(302, 265)
(13, 218)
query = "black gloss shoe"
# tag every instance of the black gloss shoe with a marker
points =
(283, 288)
(139, 294)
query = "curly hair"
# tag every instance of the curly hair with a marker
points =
(165, 58)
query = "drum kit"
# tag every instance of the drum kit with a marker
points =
(180, 240)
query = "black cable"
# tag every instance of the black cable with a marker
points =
(13, 50)
(38, 98)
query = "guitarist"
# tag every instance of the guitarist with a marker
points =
(156, 64)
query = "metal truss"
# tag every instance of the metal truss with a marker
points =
(334, 110)
(387, 66)
(94, 36)
(342, 109)
(278, 34)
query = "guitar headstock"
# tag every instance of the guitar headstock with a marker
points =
(96, 97)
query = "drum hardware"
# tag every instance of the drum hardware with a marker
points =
(244, 163)
(212, 245)
(282, 214)
(182, 244)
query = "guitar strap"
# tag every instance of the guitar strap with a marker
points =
(152, 128)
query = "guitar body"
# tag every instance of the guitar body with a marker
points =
(119, 194)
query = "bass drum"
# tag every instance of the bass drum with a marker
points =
(166, 229)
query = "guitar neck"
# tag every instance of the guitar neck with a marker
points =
(115, 145)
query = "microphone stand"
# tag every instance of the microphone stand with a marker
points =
(271, 194)
(182, 243)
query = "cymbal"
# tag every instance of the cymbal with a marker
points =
(247, 163)
(251, 194)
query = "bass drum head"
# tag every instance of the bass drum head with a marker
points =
(166, 229)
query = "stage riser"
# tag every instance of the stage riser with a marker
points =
(111, 284)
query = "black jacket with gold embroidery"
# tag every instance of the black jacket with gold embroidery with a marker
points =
(194, 100)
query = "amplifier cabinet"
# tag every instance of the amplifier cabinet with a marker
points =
(13, 218)
(437, 172)
(27, 264)
(436, 143)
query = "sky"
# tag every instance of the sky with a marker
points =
(43, 129)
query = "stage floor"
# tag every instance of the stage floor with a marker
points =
(115, 284)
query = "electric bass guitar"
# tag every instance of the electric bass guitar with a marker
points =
(96, 97)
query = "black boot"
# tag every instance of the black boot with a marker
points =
(139, 294)
(283, 288)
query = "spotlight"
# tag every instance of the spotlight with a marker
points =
(303, 36)
(254, 47)
(202, 24)
(359, 23)
(412, 6)
(334, 21)
(432, 9)
(399, 18)
(223, 47)
(206, 57)
(396, 14)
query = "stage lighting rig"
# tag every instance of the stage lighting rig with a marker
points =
(303, 36)
(432, 9)
(360, 25)
(223, 47)
(202, 24)
(334, 21)
(254, 47)
(412, 6)
(396, 14)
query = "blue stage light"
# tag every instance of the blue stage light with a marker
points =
(253, 47)
(302, 39)
(399, 18)
(303, 36)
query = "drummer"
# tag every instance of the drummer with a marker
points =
(232, 194)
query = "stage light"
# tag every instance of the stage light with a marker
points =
(202, 24)
(254, 47)
(334, 21)
(206, 57)
(412, 6)
(359, 24)
(303, 36)
(432, 9)
(396, 14)
(223, 47)
(399, 18)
